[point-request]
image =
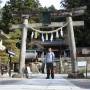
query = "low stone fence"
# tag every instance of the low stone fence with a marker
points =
(63, 65)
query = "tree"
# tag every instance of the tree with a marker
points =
(6, 19)
(82, 35)
(87, 16)
(69, 4)
(51, 8)
(16, 6)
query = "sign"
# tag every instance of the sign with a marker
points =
(82, 63)
(85, 51)
(11, 53)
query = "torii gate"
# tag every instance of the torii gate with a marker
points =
(71, 37)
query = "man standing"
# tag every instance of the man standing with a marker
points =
(49, 63)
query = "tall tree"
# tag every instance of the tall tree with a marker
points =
(72, 3)
(6, 19)
(18, 6)
(51, 8)
(82, 35)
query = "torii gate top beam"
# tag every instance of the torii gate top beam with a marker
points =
(61, 13)
(75, 12)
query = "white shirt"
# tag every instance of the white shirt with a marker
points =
(50, 57)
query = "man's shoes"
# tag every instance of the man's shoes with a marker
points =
(52, 77)
(47, 77)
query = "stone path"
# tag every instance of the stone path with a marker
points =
(38, 82)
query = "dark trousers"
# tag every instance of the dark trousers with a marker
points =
(50, 70)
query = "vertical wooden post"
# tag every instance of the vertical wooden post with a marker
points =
(10, 60)
(23, 45)
(72, 44)
(0, 66)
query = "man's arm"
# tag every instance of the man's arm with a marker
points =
(53, 56)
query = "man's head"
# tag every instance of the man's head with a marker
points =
(49, 49)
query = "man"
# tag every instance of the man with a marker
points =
(49, 63)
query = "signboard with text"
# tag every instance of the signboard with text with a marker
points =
(82, 63)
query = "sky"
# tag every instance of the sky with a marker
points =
(48, 3)
(44, 3)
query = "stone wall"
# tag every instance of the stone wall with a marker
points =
(63, 65)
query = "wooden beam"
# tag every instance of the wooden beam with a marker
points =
(64, 13)
(53, 24)
(78, 23)
(17, 26)
(61, 13)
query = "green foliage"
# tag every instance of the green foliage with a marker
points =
(87, 16)
(6, 19)
(14, 7)
(22, 5)
(46, 18)
(16, 34)
(11, 43)
(69, 4)
(82, 35)
(51, 8)
(4, 56)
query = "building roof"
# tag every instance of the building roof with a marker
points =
(54, 43)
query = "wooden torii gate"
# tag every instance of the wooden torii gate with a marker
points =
(71, 37)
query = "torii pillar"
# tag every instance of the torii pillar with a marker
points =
(72, 44)
(23, 44)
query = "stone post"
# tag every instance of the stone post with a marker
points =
(0, 66)
(72, 44)
(23, 45)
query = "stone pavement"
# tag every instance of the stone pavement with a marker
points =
(38, 82)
